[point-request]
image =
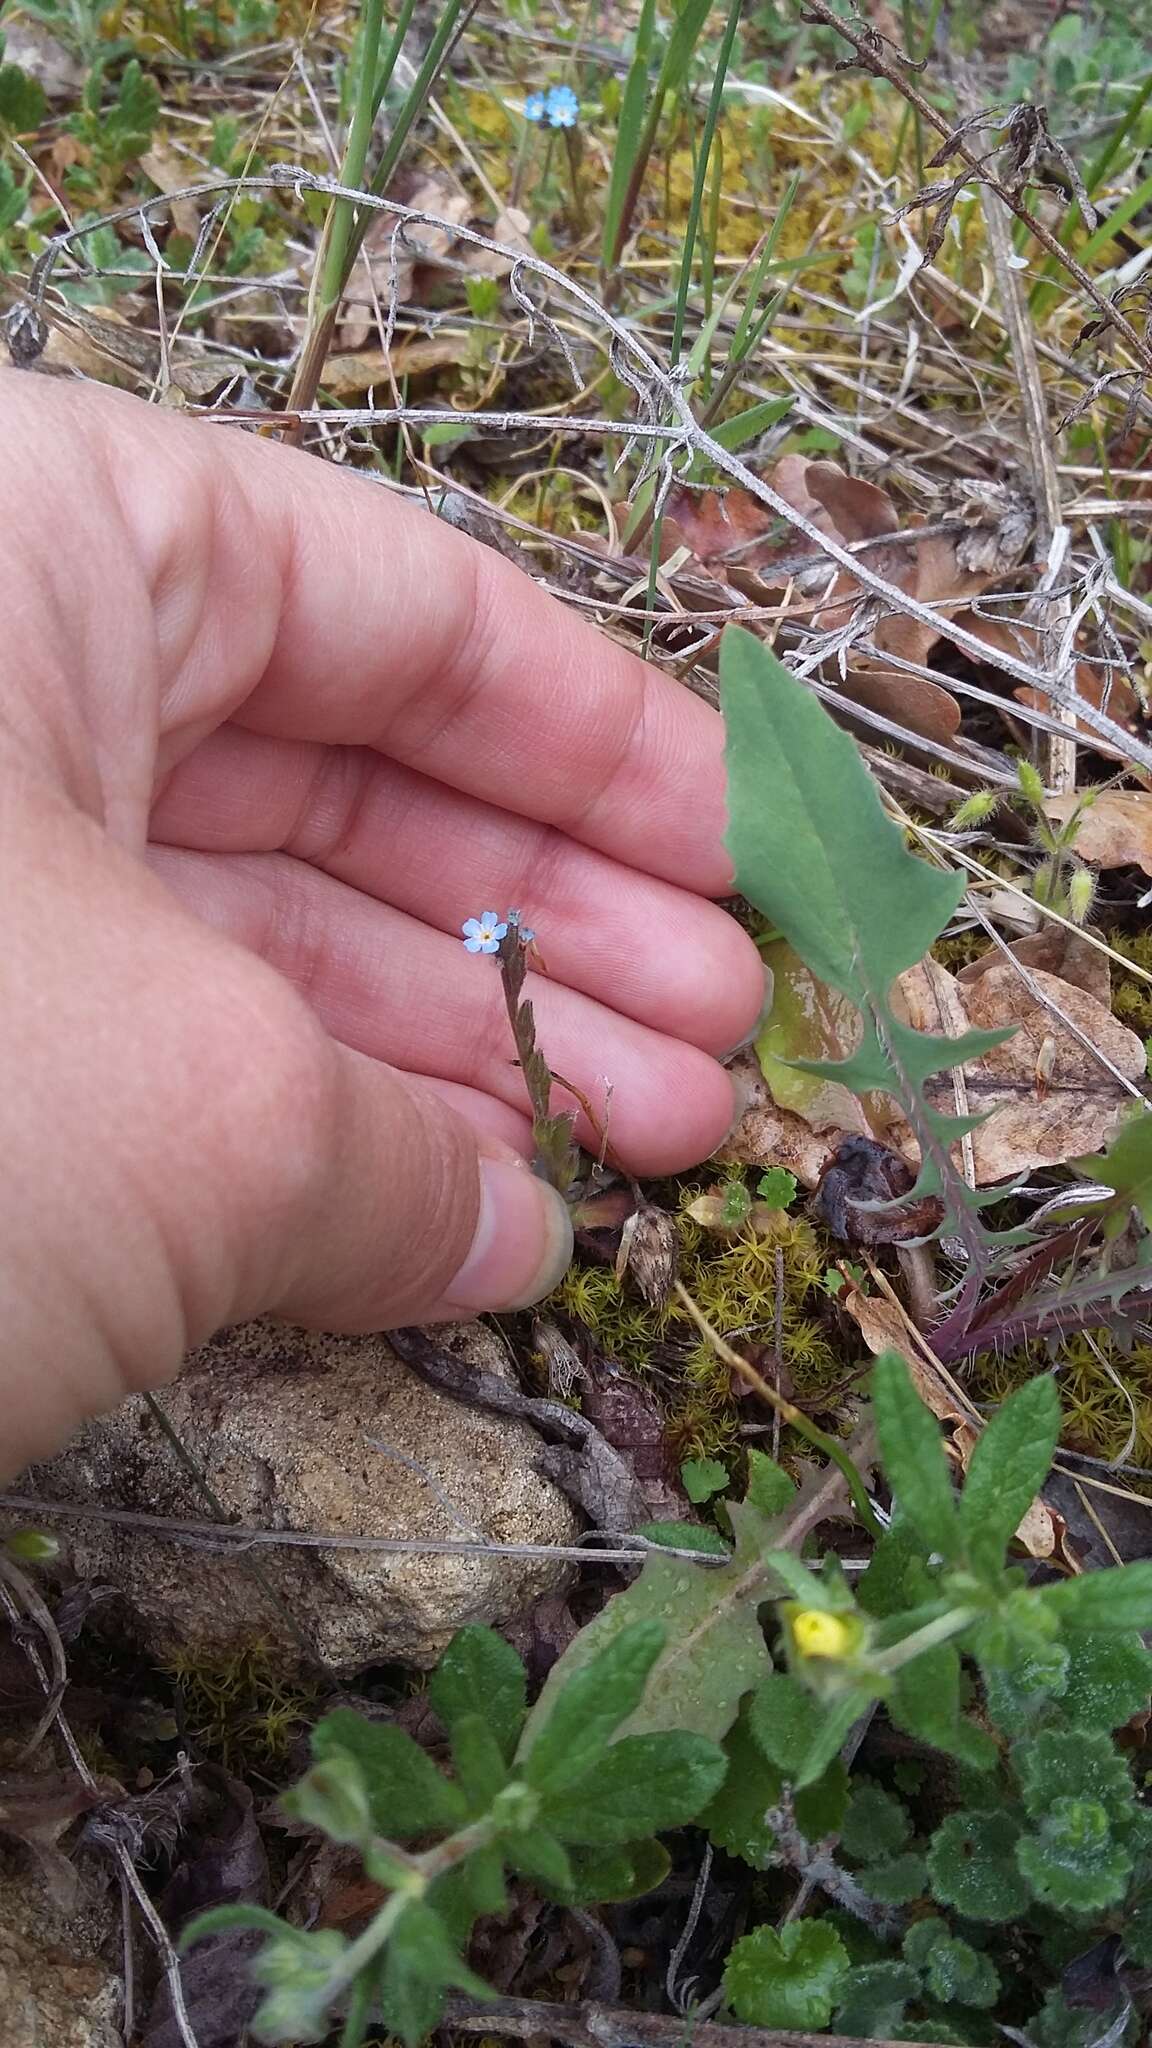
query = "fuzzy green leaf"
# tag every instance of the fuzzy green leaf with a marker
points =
(1127, 1167)
(1109, 1678)
(1080, 1760)
(1009, 1466)
(924, 1700)
(421, 1962)
(22, 102)
(588, 1706)
(332, 1796)
(784, 1720)
(954, 1972)
(819, 1807)
(876, 1824)
(769, 1487)
(873, 1998)
(685, 1536)
(777, 1187)
(735, 1816)
(913, 1455)
(480, 1768)
(640, 1785)
(537, 1854)
(812, 846)
(714, 1650)
(1120, 1597)
(972, 1866)
(1138, 1934)
(603, 1876)
(702, 1477)
(483, 1874)
(790, 1979)
(896, 1882)
(407, 1794)
(1072, 1861)
(479, 1673)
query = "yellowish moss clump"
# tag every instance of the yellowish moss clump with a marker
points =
(1132, 997)
(734, 1281)
(1097, 1416)
(239, 1706)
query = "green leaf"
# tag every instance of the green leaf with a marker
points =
(588, 1704)
(480, 1673)
(876, 1824)
(1082, 1760)
(896, 1882)
(898, 1576)
(1126, 1167)
(1120, 1597)
(483, 1873)
(1137, 1934)
(642, 1784)
(421, 1962)
(22, 102)
(873, 1999)
(769, 1487)
(735, 433)
(480, 1767)
(924, 1700)
(1073, 1861)
(972, 1866)
(407, 1794)
(913, 1455)
(812, 845)
(1109, 1678)
(297, 1967)
(685, 1536)
(333, 1797)
(714, 1652)
(784, 1720)
(702, 1477)
(535, 1853)
(735, 1817)
(629, 129)
(603, 1876)
(223, 1919)
(791, 1979)
(954, 1972)
(1009, 1465)
(777, 1187)
(819, 1807)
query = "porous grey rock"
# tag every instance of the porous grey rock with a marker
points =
(285, 1426)
(57, 1988)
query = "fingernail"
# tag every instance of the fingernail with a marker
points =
(522, 1245)
(750, 1037)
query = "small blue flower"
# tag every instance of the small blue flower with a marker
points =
(535, 107)
(562, 108)
(483, 934)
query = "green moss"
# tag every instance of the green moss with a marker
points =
(734, 1281)
(239, 1707)
(1097, 1416)
(1132, 997)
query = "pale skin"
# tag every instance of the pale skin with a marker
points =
(268, 735)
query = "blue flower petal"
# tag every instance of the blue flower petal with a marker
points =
(534, 107)
(563, 107)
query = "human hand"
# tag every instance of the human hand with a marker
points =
(268, 736)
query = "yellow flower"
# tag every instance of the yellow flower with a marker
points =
(819, 1634)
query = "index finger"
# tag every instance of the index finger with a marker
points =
(376, 624)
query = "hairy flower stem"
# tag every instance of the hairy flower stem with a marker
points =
(787, 1411)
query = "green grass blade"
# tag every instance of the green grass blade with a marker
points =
(628, 133)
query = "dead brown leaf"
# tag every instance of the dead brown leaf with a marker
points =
(768, 1135)
(512, 228)
(401, 259)
(1114, 830)
(1055, 950)
(737, 537)
(1045, 1098)
(171, 172)
(346, 376)
(1118, 700)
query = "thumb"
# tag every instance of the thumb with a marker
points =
(409, 1214)
(187, 1147)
